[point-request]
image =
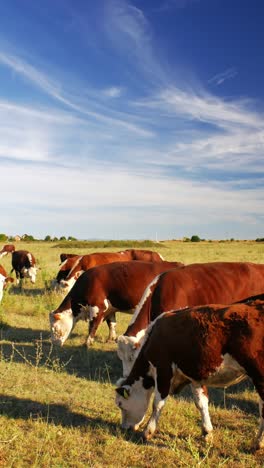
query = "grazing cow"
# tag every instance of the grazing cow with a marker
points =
(143, 255)
(101, 291)
(8, 248)
(84, 262)
(65, 256)
(213, 345)
(4, 279)
(196, 284)
(24, 265)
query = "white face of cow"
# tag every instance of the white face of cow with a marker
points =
(66, 285)
(127, 350)
(133, 401)
(30, 273)
(61, 325)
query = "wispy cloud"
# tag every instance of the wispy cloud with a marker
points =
(56, 91)
(220, 78)
(113, 92)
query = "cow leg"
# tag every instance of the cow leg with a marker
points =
(93, 326)
(111, 322)
(259, 443)
(258, 382)
(158, 404)
(162, 378)
(200, 394)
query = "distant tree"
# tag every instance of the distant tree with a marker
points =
(70, 238)
(186, 239)
(62, 238)
(260, 239)
(47, 239)
(28, 237)
(3, 237)
(55, 239)
(195, 238)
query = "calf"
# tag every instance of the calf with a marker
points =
(24, 265)
(8, 248)
(212, 345)
(200, 283)
(99, 292)
(4, 279)
(84, 262)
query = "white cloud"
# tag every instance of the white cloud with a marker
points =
(113, 92)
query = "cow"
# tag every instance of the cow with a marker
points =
(143, 255)
(195, 284)
(4, 279)
(24, 265)
(65, 256)
(8, 248)
(99, 292)
(212, 345)
(77, 265)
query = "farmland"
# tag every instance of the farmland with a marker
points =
(57, 405)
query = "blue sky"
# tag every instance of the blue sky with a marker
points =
(132, 119)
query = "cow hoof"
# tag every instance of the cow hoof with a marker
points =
(147, 435)
(89, 342)
(208, 437)
(257, 445)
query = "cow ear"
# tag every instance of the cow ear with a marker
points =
(57, 316)
(123, 391)
(9, 279)
(136, 345)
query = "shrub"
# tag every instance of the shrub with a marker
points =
(195, 238)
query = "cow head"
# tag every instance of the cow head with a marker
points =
(61, 325)
(133, 401)
(30, 273)
(127, 350)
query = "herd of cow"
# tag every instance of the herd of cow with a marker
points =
(200, 324)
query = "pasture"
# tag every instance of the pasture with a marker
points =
(57, 405)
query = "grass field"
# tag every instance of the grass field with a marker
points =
(57, 405)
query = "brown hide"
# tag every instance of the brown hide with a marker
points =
(102, 258)
(143, 255)
(201, 283)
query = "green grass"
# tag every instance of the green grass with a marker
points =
(57, 405)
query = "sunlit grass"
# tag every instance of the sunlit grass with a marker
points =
(57, 405)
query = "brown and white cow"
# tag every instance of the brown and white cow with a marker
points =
(4, 279)
(24, 265)
(77, 265)
(196, 284)
(65, 256)
(212, 345)
(99, 292)
(8, 248)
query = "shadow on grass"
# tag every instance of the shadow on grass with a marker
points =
(60, 415)
(21, 291)
(93, 364)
